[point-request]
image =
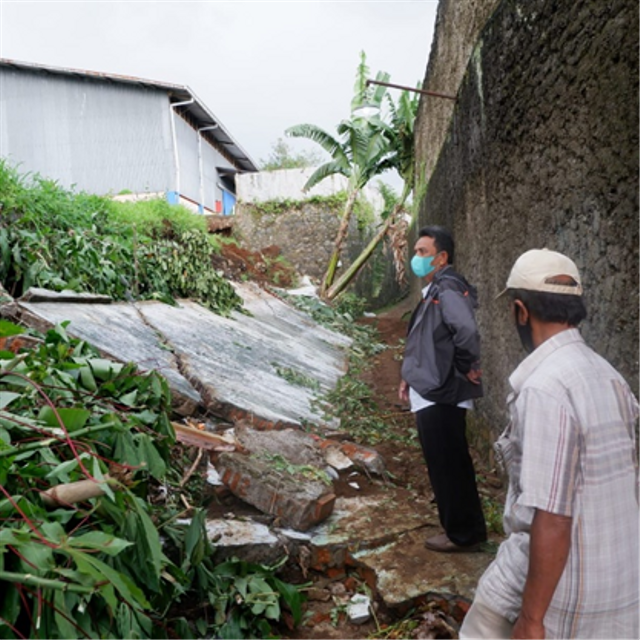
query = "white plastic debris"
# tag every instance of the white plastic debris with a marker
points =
(213, 477)
(358, 609)
(306, 288)
(355, 485)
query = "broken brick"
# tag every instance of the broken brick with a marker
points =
(364, 457)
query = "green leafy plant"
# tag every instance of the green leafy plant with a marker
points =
(122, 561)
(360, 152)
(493, 514)
(296, 377)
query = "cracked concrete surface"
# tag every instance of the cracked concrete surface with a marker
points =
(232, 366)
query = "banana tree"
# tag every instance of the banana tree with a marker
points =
(360, 152)
(400, 138)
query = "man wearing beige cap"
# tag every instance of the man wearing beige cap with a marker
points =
(569, 565)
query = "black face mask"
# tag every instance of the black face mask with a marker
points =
(525, 334)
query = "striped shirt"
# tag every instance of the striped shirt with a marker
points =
(569, 449)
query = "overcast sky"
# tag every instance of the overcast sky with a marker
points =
(260, 67)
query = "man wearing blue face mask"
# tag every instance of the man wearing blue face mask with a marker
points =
(440, 378)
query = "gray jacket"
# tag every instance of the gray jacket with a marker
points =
(443, 343)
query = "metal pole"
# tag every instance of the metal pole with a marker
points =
(399, 86)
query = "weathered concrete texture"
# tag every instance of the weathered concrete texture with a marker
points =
(405, 570)
(294, 445)
(246, 539)
(456, 33)
(382, 538)
(367, 523)
(233, 366)
(296, 501)
(119, 332)
(542, 150)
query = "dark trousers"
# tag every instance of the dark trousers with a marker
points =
(442, 433)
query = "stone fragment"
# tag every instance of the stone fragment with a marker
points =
(318, 595)
(358, 609)
(338, 460)
(298, 447)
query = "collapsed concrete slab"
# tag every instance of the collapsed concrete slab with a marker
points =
(296, 501)
(406, 570)
(265, 367)
(301, 448)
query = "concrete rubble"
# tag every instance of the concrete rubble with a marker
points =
(296, 502)
(358, 609)
(231, 368)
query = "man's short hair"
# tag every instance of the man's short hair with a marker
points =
(552, 307)
(442, 239)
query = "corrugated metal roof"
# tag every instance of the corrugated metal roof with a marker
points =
(196, 111)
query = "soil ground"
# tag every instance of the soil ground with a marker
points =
(324, 612)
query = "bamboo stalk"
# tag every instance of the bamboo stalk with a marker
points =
(38, 444)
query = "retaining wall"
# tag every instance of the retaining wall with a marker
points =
(542, 150)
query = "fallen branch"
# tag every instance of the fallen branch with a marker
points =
(193, 467)
(203, 439)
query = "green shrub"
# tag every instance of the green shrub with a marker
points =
(51, 237)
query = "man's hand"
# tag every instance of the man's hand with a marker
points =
(528, 630)
(403, 391)
(474, 376)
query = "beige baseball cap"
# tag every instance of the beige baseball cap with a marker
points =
(535, 269)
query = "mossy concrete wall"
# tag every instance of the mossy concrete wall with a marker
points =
(542, 151)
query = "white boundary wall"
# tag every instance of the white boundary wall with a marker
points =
(286, 184)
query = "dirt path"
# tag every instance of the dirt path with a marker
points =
(329, 591)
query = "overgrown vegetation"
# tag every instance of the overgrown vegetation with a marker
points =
(54, 238)
(127, 563)
(351, 400)
(365, 147)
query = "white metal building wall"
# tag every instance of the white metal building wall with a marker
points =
(101, 137)
(192, 183)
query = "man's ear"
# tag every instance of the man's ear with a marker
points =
(521, 312)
